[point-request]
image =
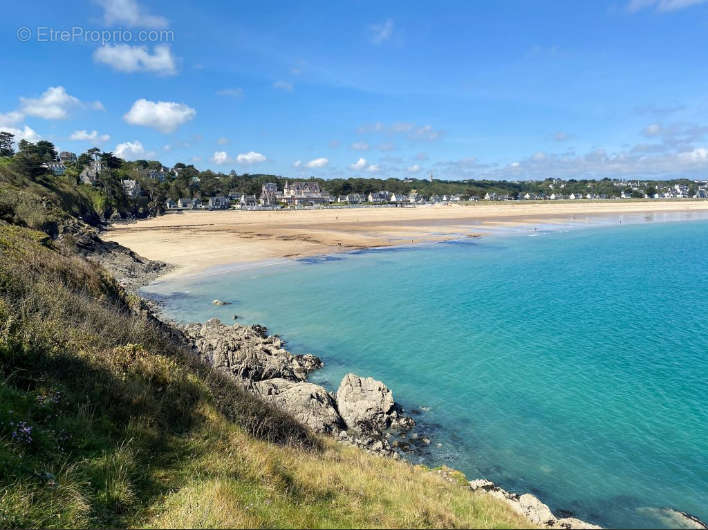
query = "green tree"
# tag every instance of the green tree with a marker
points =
(7, 144)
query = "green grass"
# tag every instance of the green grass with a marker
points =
(106, 419)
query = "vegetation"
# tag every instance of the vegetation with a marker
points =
(107, 420)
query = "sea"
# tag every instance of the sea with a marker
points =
(565, 359)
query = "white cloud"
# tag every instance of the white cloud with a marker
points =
(373, 168)
(561, 136)
(359, 164)
(379, 33)
(410, 130)
(165, 116)
(414, 168)
(284, 86)
(297, 163)
(25, 133)
(653, 129)
(125, 58)
(360, 146)
(222, 141)
(662, 5)
(220, 157)
(130, 150)
(129, 13)
(93, 136)
(250, 158)
(11, 118)
(233, 92)
(317, 162)
(54, 104)
(699, 154)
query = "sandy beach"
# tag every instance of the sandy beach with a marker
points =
(196, 240)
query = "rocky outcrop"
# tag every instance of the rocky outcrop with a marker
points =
(310, 404)
(529, 506)
(246, 354)
(367, 406)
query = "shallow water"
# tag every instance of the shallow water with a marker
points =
(572, 364)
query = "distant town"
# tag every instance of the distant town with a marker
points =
(143, 187)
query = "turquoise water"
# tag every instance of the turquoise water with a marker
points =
(572, 364)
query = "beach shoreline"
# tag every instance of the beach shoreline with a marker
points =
(194, 241)
(488, 226)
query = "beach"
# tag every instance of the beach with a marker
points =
(193, 241)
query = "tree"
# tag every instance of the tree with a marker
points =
(7, 144)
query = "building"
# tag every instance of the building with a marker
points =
(219, 203)
(189, 204)
(89, 175)
(131, 188)
(304, 194)
(248, 202)
(377, 197)
(270, 196)
(170, 204)
(355, 198)
(398, 197)
(55, 167)
(67, 157)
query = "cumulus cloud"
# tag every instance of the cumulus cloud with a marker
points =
(317, 163)
(129, 13)
(414, 168)
(220, 157)
(126, 58)
(165, 116)
(379, 33)
(11, 118)
(373, 168)
(231, 92)
(359, 164)
(250, 158)
(54, 104)
(93, 136)
(662, 5)
(24, 133)
(130, 150)
(297, 163)
(285, 86)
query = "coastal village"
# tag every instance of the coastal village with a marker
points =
(310, 193)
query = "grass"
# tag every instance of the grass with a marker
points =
(107, 420)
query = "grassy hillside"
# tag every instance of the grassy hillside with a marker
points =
(107, 420)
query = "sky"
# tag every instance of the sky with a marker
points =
(513, 89)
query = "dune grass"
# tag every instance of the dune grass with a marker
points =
(106, 419)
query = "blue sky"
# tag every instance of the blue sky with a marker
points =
(513, 89)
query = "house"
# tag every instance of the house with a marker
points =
(219, 203)
(55, 167)
(67, 157)
(270, 196)
(189, 204)
(248, 202)
(379, 196)
(355, 198)
(235, 195)
(89, 175)
(131, 188)
(157, 174)
(304, 193)
(398, 197)
(435, 198)
(170, 204)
